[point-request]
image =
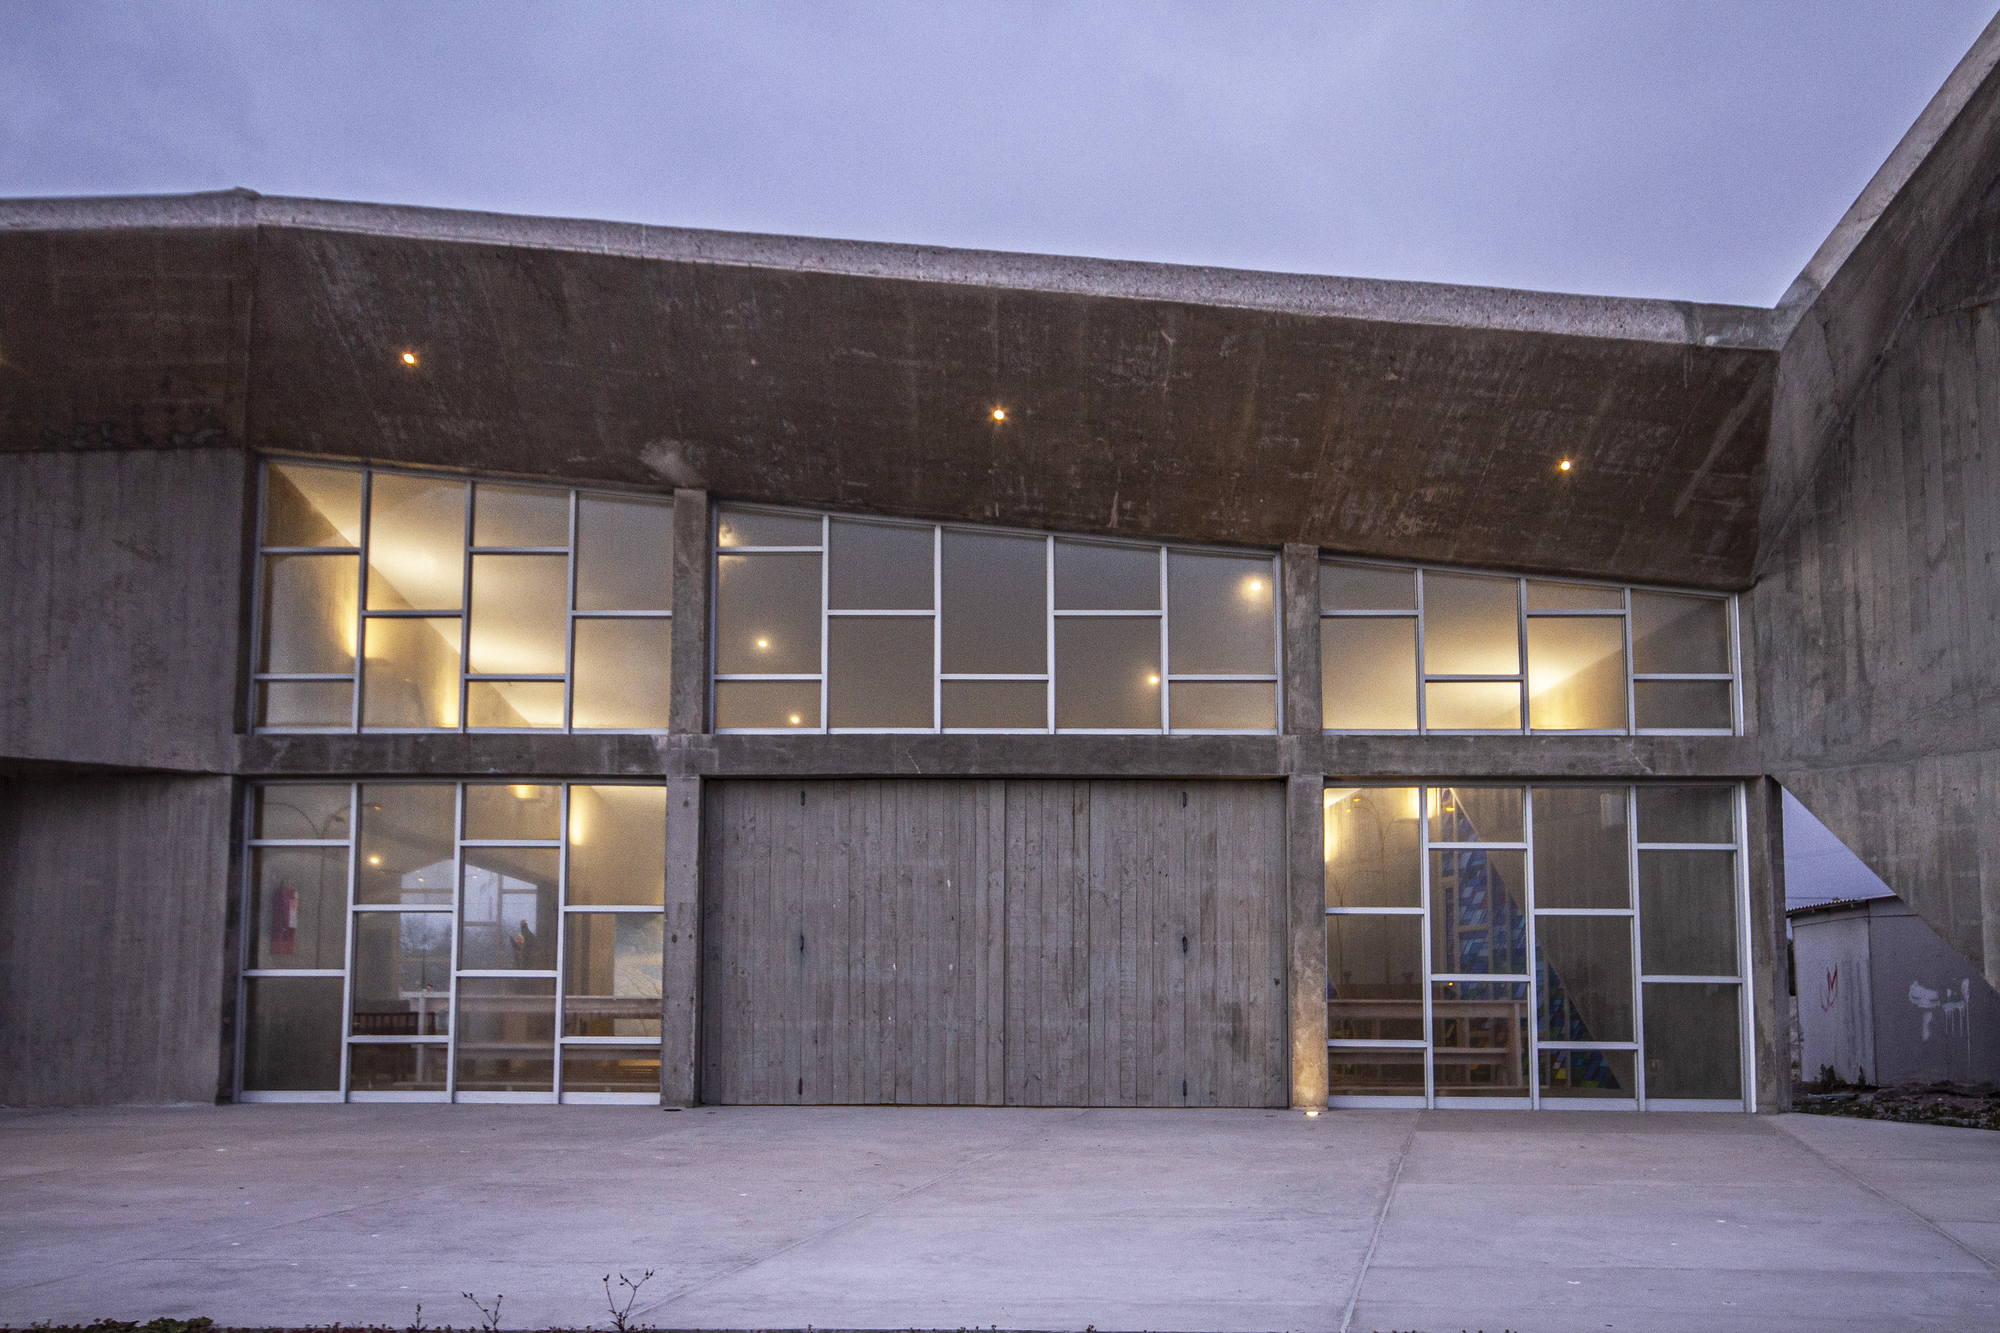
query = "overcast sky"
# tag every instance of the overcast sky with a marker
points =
(1694, 151)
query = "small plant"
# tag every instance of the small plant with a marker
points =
(417, 1325)
(620, 1316)
(489, 1319)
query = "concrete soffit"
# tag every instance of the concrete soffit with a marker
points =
(1371, 299)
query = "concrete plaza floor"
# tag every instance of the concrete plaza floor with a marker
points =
(945, 1219)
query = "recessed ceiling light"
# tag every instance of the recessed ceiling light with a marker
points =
(999, 414)
(409, 358)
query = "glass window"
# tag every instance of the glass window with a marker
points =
(1583, 968)
(1479, 922)
(298, 810)
(513, 705)
(1094, 577)
(1372, 840)
(311, 506)
(602, 616)
(1673, 633)
(397, 1067)
(1682, 705)
(308, 615)
(878, 567)
(1223, 619)
(1576, 673)
(1472, 705)
(1479, 1039)
(1368, 674)
(507, 1034)
(1376, 1073)
(1374, 978)
(750, 527)
(519, 516)
(402, 974)
(879, 671)
(1694, 1036)
(299, 906)
(611, 985)
(1573, 597)
(1687, 913)
(1108, 673)
(507, 918)
(624, 553)
(1366, 588)
(1582, 848)
(1687, 814)
(1580, 1074)
(617, 846)
(512, 812)
(291, 1034)
(767, 615)
(626, 1069)
(1475, 814)
(410, 675)
(406, 844)
(416, 543)
(996, 705)
(1471, 626)
(520, 614)
(995, 608)
(766, 704)
(1212, 705)
(623, 672)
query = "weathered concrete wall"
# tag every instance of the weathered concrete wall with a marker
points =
(113, 938)
(1878, 608)
(123, 595)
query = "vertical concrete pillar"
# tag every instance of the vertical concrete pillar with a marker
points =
(687, 704)
(687, 714)
(1304, 816)
(1770, 1000)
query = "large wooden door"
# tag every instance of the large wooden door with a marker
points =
(1044, 942)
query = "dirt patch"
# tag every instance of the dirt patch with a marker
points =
(1961, 1105)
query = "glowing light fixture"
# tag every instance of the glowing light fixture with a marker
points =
(1564, 465)
(524, 793)
(795, 719)
(1152, 680)
(1311, 1114)
(999, 414)
(763, 643)
(409, 358)
(374, 860)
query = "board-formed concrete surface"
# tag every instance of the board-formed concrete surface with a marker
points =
(1042, 1219)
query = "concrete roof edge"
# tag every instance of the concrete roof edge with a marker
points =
(1890, 178)
(1375, 299)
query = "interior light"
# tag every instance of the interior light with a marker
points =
(1152, 680)
(410, 359)
(524, 793)
(1311, 1114)
(374, 860)
(1564, 465)
(795, 719)
(999, 414)
(763, 643)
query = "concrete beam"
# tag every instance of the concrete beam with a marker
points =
(1305, 965)
(688, 707)
(680, 969)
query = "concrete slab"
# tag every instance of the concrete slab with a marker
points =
(932, 1218)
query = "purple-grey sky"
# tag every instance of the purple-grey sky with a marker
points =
(1689, 150)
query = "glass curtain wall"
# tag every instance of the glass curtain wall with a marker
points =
(1485, 946)
(469, 941)
(841, 624)
(393, 601)
(1428, 650)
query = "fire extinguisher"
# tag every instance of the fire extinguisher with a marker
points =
(284, 919)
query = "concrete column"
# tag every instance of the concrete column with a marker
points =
(680, 971)
(1770, 1008)
(687, 705)
(680, 967)
(1305, 864)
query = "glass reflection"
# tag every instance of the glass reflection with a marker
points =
(311, 506)
(1682, 705)
(767, 615)
(1475, 814)
(1372, 856)
(1576, 673)
(507, 917)
(617, 846)
(1368, 674)
(624, 553)
(878, 567)
(1479, 1039)
(1366, 588)
(1694, 1042)
(402, 974)
(1374, 978)
(1687, 913)
(1673, 633)
(300, 810)
(519, 516)
(1375, 1073)
(1584, 977)
(997, 705)
(879, 671)
(1593, 1074)
(406, 848)
(1479, 924)
(1108, 673)
(995, 605)
(416, 543)
(506, 1034)
(611, 974)
(1094, 577)
(769, 705)
(1221, 615)
(291, 1034)
(626, 1069)
(299, 906)
(1213, 705)
(1581, 848)
(622, 674)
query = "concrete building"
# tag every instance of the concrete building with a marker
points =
(459, 656)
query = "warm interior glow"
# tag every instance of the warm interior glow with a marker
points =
(375, 860)
(1152, 680)
(999, 414)
(795, 719)
(409, 358)
(1564, 465)
(1311, 1114)
(763, 643)
(522, 793)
